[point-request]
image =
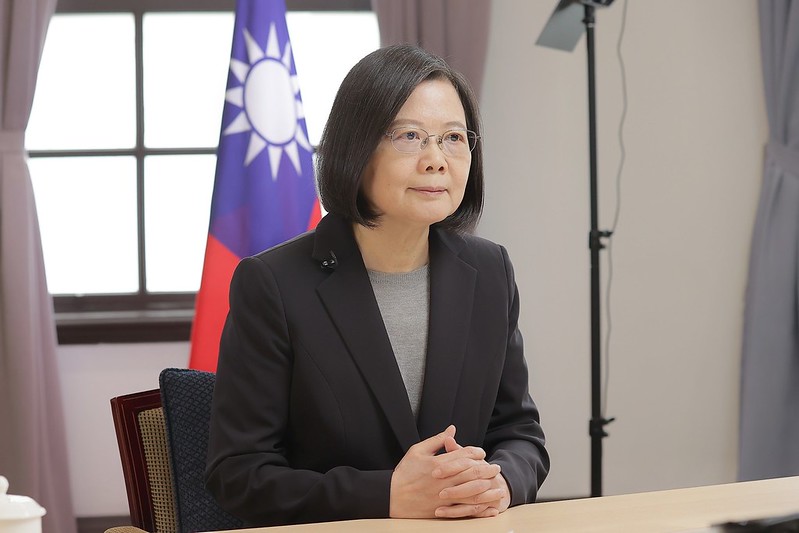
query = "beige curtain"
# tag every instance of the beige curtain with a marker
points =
(33, 452)
(456, 30)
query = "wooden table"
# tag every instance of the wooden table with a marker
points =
(684, 510)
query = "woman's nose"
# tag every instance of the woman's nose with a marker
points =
(432, 156)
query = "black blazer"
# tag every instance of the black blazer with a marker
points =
(310, 413)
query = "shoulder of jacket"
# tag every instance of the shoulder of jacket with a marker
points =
(301, 244)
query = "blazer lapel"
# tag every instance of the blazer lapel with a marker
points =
(349, 299)
(452, 286)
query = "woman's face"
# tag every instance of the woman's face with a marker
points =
(422, 187)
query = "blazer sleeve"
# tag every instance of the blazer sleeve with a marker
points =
(248, 470)
(514, 439)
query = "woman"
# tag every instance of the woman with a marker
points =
(373, 368)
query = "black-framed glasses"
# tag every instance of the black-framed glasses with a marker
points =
(409, 140)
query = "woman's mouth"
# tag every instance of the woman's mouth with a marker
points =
(429, 190)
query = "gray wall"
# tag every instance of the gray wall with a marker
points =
(695, 130)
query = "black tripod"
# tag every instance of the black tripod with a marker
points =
(562, 31)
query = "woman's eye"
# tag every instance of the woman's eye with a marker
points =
(410, 135)
(454, 137)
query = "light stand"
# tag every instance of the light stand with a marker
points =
(562, 31)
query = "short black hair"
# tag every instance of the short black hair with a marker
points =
(367, 102)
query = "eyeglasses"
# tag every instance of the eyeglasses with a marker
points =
(457, 143)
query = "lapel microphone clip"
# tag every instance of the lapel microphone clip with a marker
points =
(331, 263)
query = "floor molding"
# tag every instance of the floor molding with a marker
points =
(98, 524)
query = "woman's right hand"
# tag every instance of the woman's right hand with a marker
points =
(423, 474)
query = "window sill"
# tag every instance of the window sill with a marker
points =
(124, 326)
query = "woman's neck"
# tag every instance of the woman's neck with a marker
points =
(387, 250)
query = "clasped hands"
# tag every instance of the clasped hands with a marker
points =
(456, 484)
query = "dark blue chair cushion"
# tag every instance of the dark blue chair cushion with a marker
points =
(186, 399)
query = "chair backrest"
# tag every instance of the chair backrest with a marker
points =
(163, 441)
(186, 398)
(141, 436)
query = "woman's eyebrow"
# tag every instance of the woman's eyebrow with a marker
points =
(412, 122)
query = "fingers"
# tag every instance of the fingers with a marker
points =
(482, 502)
(470, 463)
(477, 491)
(491, 511)
(476, 498)
(450, 445)
(432, 445)
(454, 484)
(465, 510)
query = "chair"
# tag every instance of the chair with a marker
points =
(163, 438)
(141, 436)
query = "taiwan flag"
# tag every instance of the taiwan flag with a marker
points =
(264, 190)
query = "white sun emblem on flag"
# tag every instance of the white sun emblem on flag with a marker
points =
(269, 98)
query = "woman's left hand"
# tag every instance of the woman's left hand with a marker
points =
(470, 495)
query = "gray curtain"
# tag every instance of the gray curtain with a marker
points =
(456, 30)
(769, 438)
(33, 453)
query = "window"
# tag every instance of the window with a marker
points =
(122, 141)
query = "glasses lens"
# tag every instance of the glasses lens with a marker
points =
(472, 137)
(408, 140)
(453, 142)
(458, 142)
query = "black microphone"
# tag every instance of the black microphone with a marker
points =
(331, 263)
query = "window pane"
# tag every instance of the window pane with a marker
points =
(186, 60)
(325, 47)
(177, 201)
(87, 217)
(86, 99)
(85, 94)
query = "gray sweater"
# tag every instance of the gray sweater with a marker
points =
(404, 302)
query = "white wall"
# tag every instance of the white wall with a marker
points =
(695, 131)
(694, 135)
(90, 377)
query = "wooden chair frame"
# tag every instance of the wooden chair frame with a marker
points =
(125, 410)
